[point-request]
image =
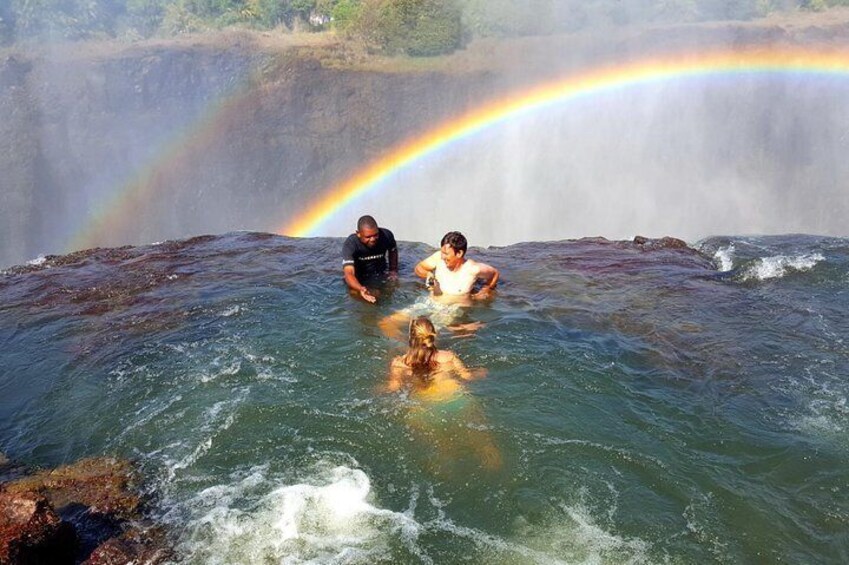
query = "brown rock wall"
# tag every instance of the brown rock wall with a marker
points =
(85, 512)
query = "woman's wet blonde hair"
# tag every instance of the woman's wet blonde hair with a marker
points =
(422, 342)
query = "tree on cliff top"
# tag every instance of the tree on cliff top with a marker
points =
(414, 27)
(67, 19)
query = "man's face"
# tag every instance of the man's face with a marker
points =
(368, 236)
(452, 258)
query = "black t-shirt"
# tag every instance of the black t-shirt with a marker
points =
(369, 262)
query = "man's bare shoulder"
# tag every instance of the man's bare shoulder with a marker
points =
(475, 265)
(481, 266)
(430, 260)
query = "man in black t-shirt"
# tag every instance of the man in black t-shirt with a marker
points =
(364, 257)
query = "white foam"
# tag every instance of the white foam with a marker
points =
(332, 517)
(231, 368)
(231, 311)
(822, 424)
(828, 407)
(217, 419)
(591, 543)
(780, 265)
(40, 260)
(724, 256)
(573, 538)
(327, 519)
(700, 518)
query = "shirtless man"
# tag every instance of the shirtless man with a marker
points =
(453, 274)
(454, 278)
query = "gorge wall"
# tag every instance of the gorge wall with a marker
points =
(194, 139)
(103, 145)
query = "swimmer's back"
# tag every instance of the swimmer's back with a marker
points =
(445, 361)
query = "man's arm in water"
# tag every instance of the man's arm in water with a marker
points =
(392, 252)
(393, 263)
(489, 275)
(427, 266)
(354, 284)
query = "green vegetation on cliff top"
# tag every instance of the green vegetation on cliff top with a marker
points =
(413, 27)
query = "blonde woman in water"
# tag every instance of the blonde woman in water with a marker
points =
(441, 409)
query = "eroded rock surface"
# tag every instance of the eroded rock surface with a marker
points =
(88, 512)
(32, 532)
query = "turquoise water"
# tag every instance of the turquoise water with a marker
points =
(640, 405)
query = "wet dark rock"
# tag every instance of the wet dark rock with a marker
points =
(93, 528)
(148, 546)
(10, 470)
(95, 292)
(665, 242)
(104, 485)
(89, 511)
(32, 532)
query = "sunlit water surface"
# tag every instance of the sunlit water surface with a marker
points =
(644, 406)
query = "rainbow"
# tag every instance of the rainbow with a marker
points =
(184, 149)
(590, 83)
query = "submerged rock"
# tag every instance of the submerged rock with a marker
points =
(32, 532)
(89, 512)
(9, 470)
(665, 242)
(103, 485)
(137, 545)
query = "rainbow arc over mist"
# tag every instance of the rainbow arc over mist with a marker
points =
(131, 199)
(771, 60)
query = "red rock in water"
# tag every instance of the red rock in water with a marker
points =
(103, 484)
(147, 546)
(32, 532)
(98, 499)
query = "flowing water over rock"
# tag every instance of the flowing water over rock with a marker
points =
(644, 402)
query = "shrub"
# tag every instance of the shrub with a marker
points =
(727, 9)
(345, 13)
(145, 16)
(435, 27)
(178, 19)
(813, 5)
(414, 27)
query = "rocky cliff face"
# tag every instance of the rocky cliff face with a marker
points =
(18, 155)
(156, 142)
